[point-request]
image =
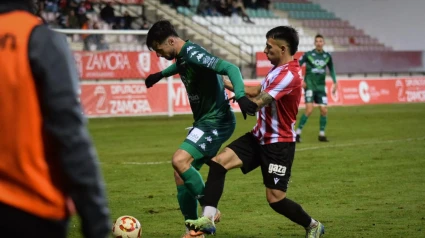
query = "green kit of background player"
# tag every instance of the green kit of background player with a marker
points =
(315, 85)
(214, 120)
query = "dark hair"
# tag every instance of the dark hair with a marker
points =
(159, 32)
(319, 36)
(286, 33)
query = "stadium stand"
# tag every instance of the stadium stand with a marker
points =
(325, 23)
(83, 14)
(249, 36)
(300, 13)
(231, 29)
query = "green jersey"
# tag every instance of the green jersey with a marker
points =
(316, 69)
(201, 73)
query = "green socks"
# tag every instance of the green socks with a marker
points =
(194, 182)
(323, 121)
(303, 121)
(189, 193)
(187, 202)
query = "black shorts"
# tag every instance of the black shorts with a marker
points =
(275, 159)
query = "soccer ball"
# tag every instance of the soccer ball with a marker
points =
(127, 227)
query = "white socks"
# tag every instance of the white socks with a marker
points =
(313, 223)
(209, 212)
(322, 133)
(298, 131)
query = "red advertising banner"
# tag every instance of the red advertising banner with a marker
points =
(377, 91)
(134, 99)
(123, 99)
(118, 64)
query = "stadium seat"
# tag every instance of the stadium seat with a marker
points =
(185, 11)
(238, 32)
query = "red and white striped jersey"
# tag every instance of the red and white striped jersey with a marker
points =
(276, 121)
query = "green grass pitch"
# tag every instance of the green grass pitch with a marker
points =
(369, 181)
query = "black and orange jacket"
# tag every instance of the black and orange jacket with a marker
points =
(46, 154)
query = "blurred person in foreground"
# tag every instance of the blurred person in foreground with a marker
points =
(48, 166)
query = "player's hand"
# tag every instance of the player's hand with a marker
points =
(153, 79)
(334, 88)
(304, 85)
(247, 106)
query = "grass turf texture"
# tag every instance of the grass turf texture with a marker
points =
(369, 181)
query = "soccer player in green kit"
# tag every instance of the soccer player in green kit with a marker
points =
(214, 120)
(314, 85)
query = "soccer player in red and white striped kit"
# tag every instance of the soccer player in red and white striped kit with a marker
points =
(271, 143)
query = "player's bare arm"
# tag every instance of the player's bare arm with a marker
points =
(250, 91)
(262, 99)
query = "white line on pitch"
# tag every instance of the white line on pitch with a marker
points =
(303, 149)
(357, 144)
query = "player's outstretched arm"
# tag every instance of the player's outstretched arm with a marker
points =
(222, 67)
(57, 85)
(170, 70)
(225, 68)
(152, 79)
(250, 91)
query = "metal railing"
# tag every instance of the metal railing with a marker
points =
(189, 22)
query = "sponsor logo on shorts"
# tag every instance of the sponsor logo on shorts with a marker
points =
(195, 135)
(277, 169)
(276, 180)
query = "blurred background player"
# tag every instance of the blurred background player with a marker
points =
(315, 85)
(214, 122)
(47, 157)
(271, 143)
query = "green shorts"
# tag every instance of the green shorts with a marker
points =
(204, 141)
(318, 97)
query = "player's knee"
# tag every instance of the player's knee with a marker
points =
(181, 162)
(219, 160)
(274, 195)
(178, 163)
(228, 159)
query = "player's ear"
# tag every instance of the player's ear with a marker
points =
(171, 41)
